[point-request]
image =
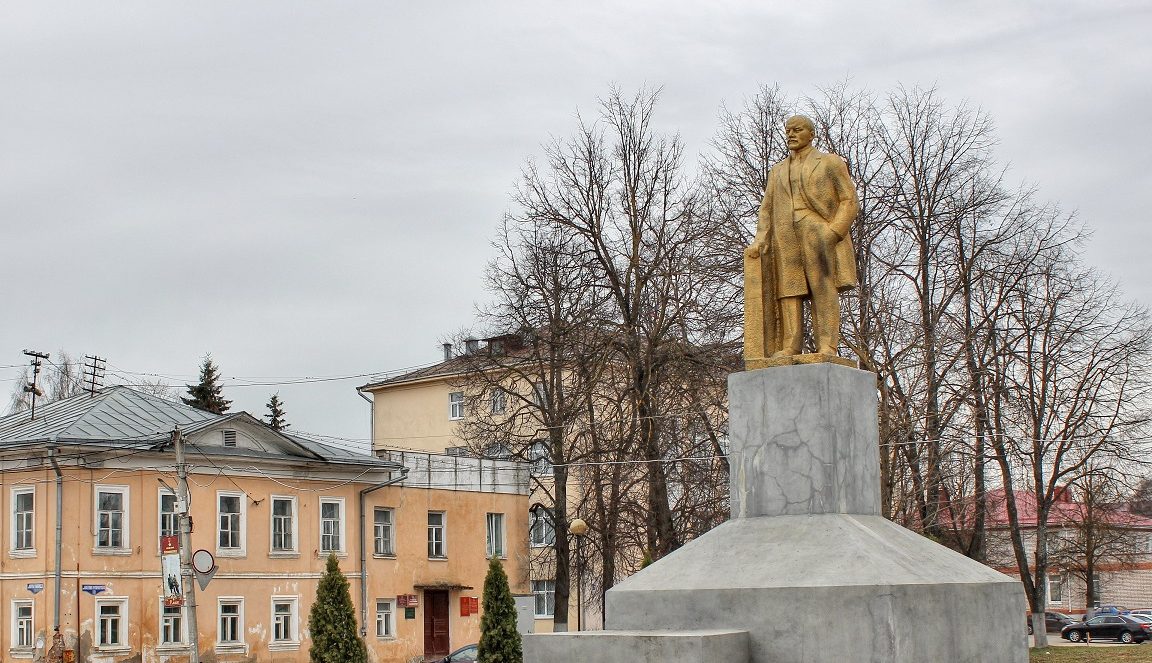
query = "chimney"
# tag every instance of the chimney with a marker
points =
(471, 345)
(447, 351)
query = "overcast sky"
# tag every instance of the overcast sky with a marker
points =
(309, 189)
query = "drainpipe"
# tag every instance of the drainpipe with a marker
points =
(364, 550)
(59, 530)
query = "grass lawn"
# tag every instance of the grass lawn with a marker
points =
(1091, 654)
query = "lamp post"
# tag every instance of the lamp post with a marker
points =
(579, 528)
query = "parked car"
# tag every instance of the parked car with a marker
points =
(1116, 627)
(466, 654)
(1053, 622)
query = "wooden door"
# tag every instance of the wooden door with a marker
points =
(436, 640)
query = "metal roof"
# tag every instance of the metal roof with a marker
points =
(120, 416)
(114, 414)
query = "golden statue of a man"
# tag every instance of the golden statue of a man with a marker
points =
(802, 250)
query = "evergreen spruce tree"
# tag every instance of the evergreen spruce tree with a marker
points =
(208, 394)
(499, 639)
(332, 621)
(276, 413)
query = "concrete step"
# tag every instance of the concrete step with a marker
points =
(703, 646)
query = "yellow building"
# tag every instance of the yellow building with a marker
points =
(412, 537)
(420, 411)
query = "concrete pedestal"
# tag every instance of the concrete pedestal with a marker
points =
(806, 566)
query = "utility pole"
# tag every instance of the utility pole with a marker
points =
(188, 581)
(94, 373)
(31, 388)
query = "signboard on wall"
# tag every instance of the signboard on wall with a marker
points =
(469, 605)
(170, 571)
(93, 589)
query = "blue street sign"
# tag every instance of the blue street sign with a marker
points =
(35, 587)
(93, 589)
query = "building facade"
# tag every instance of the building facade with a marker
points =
(269, 507)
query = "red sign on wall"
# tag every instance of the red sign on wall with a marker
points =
(469, 605)
(407, 601)
(169, 545)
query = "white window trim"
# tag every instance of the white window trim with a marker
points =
(293, 642)
(242, 551)
(535, 594)
(169, 646)
(502, 539)
(392, 527)
(13, 551)
(22, 651)
(294, 551)
(125, 522)
(343, 549)
(124, 645)
(443, 535)
(391, 619)
(541, 514)
(160, 515)
(454, 405)
(499, 400)
(231, 647)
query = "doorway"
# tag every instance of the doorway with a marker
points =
(436, 640)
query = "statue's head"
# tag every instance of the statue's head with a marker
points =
(799, 131)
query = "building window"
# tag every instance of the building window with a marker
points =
(1056, 588)
(499, 400)
(495, 537)
(541, 528)
(284, 619)
(169, 523)
(23, 515)
(231, 621)
(544, 592)
(540, 458)
(539, 394)
(283, 524)
(111, 624)
(436, 534)
(385, 628)
(171, 625)
(23, 634)
(331, 518)
(111, 514)
(230, 522)
(382, 522)
(456, 405)
(229, 438)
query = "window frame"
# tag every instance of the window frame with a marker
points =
(539, 458)
(1056, 581)
(240, 644)
(160, 513)
(547, 593)
(442, 528)
(499, 400)
(241, 524)
(341, 529)
(30, 631)
(389, 620)
(293, 524)
(455, 405)
(122, 617)
(494, 536)
(293, 639)
(390, 549)
(14, 541)
(548, 524)
(125, 547)
(181, 628)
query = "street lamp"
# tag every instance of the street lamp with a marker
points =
(579, 529)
